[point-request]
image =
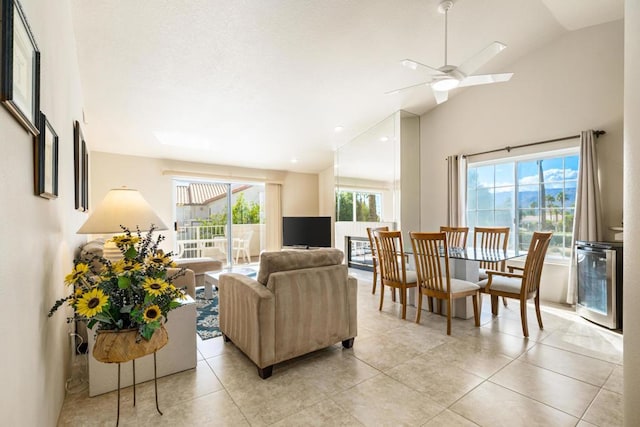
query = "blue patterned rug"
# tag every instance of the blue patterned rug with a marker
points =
(207, 325)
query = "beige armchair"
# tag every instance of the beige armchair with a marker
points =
(302, 301)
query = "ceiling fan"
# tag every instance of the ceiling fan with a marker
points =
(449, 77)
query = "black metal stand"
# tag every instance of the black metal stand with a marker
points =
(155, 384)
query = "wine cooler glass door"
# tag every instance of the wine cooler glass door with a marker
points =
(596, 276)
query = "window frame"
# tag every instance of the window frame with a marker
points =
(514, 238)
(354, 200)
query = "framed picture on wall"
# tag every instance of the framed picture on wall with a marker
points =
(80, 169)
(20, 67)
(46, 160)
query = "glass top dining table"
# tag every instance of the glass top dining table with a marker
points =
(487, 255)
(473, 254)
(464, 264)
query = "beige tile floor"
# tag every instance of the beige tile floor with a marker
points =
(397, 373)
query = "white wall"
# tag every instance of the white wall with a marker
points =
(38, 235)
(631, 315)
(153, 178)
(573, 84)
(300, 195)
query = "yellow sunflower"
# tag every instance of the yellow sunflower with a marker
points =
(78, 272)
(160, 259)
(177, 293)
(154, 286)
(91, 303)
(152, 313)
(125, 240)
(76, 295)
(123, 266)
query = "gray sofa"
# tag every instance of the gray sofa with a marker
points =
(302, 301)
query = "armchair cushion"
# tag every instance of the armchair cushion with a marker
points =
(271, 262)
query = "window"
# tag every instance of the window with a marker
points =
(361, 206)
(533, 194)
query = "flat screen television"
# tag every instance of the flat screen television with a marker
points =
(306, 231)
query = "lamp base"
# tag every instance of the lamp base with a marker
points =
(112, 252)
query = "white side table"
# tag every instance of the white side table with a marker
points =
(178, 355)
(211, 278)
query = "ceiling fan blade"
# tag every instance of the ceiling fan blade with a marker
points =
(483, 79)
(441, 96)
(392, 92)
(481, 58)
(414, 65)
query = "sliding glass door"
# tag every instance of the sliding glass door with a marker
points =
(219, 220)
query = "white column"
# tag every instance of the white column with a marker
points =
(631, 313)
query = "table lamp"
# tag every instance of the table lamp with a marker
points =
(121, 206)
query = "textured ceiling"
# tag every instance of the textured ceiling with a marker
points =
(257, 83)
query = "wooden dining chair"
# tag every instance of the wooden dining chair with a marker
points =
(491, 239)
(523, 285)
(393, 267)
(456, 236)
(374, 253)
(436, 282)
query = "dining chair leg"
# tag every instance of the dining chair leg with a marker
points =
(449, 307)
(494, 305)
(381, 295)
(538, 314)
(393, 294)
(476, 310)
(375, 279)
(439, 304)
(419, 312)
(404, 303)
(504, 301)
(523, 317)
(430, 304)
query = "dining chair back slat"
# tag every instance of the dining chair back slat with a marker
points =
(491, 238)
(371, 234)
(393, 266)
(431, 254)
(456, 236)
(534, 263)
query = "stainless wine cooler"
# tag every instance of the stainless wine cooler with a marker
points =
(600, 282)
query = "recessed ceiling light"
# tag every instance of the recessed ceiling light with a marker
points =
(384, 138)
(338, 129)
(294, 160)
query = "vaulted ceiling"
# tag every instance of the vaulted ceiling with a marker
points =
(261, 83)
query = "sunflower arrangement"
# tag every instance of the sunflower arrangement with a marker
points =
(133, 292)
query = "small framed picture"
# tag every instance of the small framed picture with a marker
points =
(46, 160)
(20, 67)
(81, 169)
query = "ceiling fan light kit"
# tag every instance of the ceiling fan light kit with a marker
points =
(448, 77)
(445, 84)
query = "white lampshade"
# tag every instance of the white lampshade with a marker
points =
(122, 206)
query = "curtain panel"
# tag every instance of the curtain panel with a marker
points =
(273, 215)
(587, 223)
(456, 191)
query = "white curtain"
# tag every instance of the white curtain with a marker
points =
(273, 216)
(456, 191)
(588, 217)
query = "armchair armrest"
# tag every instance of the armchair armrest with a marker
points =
(512, 267)
(247, 316)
